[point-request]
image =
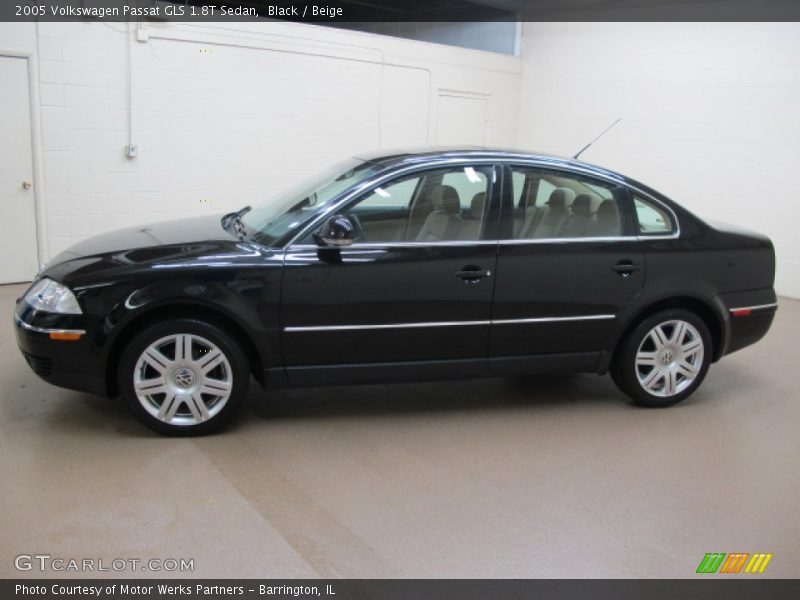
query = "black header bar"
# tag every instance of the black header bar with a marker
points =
(374, 11)
(709, 588)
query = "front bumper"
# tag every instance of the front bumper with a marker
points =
(72, 364)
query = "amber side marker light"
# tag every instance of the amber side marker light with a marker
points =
(65, 336)
(742, 312)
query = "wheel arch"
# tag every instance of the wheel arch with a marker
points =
(180, 310)
(704, 309)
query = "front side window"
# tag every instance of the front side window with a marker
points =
(433, 206)
(554, 204)
(286, 212)
(652, 219)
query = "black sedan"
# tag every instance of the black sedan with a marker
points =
(402, 266)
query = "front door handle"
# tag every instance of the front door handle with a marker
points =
(625, 267)
(472, 273)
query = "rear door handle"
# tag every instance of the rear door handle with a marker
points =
(625, 267)
(472, 273)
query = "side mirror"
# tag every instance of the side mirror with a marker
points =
(337, 231)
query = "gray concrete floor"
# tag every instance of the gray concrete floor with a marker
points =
(548, 477)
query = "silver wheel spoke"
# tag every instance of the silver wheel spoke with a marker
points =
(646, 359)
(183, 347)
(183, 394)
(210, 361)
(197, 406)
(659, 337)
(215, 387)
(151, 386)
(691, 346)
(679, 332)
(670, 382)
(168, 408)
(652, 378)
(155, 359)
(686, 369)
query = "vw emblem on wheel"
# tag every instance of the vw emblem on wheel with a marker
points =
(184, 377)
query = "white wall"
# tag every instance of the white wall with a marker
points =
(227, 114)
(710, 114)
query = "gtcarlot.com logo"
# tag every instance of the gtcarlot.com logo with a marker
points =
(46, 562)
(735, 562)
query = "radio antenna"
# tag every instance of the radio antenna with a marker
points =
(582, 150)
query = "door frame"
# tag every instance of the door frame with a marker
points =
(464, 95)
(36, 147)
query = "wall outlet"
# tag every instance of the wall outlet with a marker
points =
(131, 150)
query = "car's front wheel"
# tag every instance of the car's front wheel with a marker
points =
(183, 376)
(664, 359)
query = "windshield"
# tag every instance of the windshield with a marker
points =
(290, 209)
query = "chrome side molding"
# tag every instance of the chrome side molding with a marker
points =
(755, 307)
(303, 328)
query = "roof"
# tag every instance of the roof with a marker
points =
(412, 156)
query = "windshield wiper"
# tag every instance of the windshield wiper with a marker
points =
(235, 219)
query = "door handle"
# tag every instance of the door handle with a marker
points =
(472, 273)
(625, 267)
(26, 185)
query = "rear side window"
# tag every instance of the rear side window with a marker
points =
(652, 219)
(561, 205)
(543, 193)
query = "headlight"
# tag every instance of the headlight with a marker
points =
(49, 296)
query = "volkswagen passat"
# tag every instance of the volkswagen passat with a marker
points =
(402, 266)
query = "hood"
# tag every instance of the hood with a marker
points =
(168, 233)
(195, 243)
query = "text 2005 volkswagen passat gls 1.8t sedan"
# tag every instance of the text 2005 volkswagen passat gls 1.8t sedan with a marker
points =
(402, 266)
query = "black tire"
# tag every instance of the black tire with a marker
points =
(626, 373)
(205, 338)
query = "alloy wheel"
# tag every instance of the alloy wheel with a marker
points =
(183, 379)
(669, 358)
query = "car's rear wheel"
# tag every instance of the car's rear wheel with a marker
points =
(183, 376)
(664, 359)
